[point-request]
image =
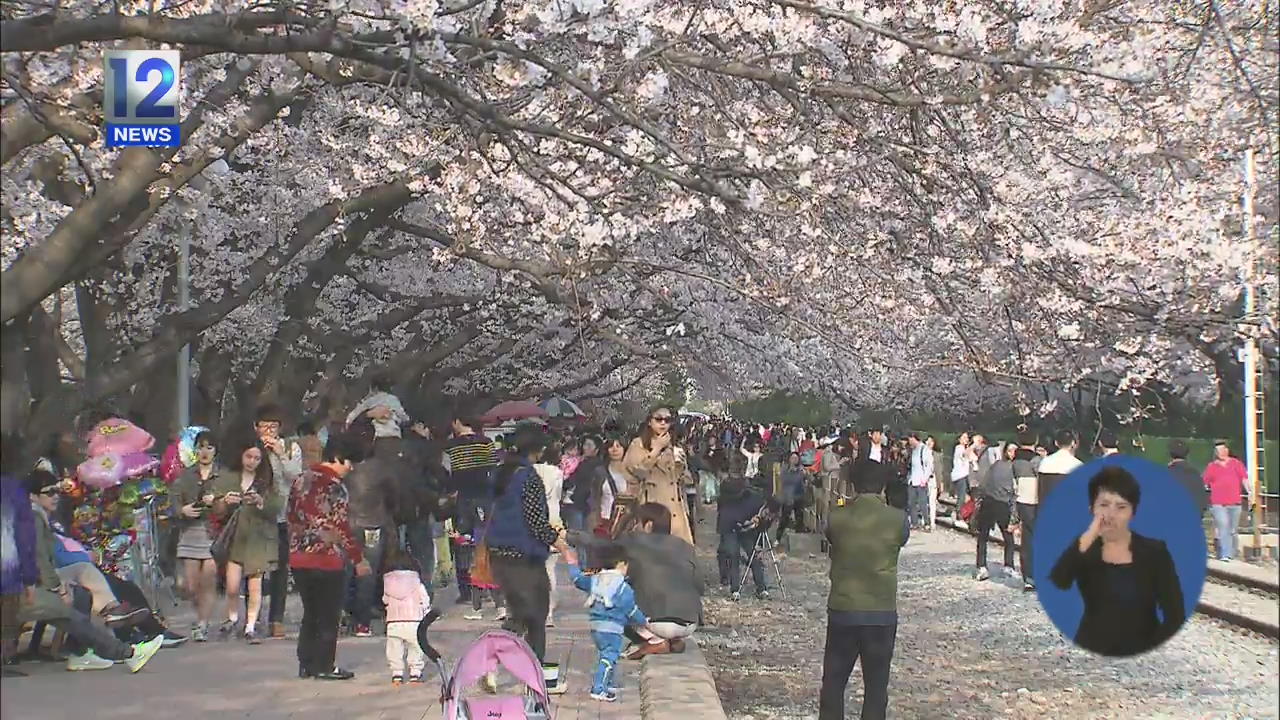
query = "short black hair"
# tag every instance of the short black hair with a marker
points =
(1108, 440)
(551, 455)
(306, 427)
(608, 555)
(269, 412)
(1117, 480)
(867, 483)
(655, 513)
(344, 446)
(40, 479)
(1065, 437)
(206, 437)
(1027, 437)
(381, 381)
(1178, 449)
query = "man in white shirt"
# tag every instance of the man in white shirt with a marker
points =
(918, 483)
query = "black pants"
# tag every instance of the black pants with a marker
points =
(994, 514)
(279, 581)
(846, 644)
(1027, 518)
(789, 511)
(527, 590)
(127, 592)
(321, 592)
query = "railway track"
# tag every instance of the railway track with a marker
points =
(1242, 599)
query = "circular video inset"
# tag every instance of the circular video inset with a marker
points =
(1120, 555)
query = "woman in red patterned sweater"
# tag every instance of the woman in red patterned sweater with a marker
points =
(320, 546)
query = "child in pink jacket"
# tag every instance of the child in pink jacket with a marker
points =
(407, 603)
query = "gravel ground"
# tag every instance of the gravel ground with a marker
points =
(974, 650)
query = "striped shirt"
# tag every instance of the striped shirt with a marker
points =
(472, 459)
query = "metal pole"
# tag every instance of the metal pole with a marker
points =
(1251, 388)
(184, 303)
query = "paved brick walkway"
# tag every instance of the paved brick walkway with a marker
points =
(235, 680)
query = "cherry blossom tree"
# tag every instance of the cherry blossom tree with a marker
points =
(876, 201)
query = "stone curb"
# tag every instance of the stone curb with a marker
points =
(679, 686)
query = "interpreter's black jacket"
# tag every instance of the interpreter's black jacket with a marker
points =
(1115, 628)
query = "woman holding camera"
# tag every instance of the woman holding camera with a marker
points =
(193, 494)
(248, 486)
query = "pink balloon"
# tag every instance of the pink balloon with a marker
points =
(118, 436)
(102, 472)
(139, 464)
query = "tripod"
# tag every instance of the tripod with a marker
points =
(764, 544)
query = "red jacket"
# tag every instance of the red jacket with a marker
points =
(319, 534)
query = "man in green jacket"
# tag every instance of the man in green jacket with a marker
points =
(865, 536)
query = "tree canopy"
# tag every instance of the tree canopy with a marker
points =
(907, 206)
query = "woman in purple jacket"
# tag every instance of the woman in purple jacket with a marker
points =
(18, 571)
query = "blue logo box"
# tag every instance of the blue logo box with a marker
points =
(142, 97)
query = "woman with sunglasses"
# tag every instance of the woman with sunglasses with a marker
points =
(651, 458)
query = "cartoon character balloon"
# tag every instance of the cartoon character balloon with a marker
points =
(119, 436)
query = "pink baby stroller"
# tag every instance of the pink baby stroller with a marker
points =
(493, 650)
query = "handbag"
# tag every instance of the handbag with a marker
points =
(481, 570)
(220, 548)
(967, 510)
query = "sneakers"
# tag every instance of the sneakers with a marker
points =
(122, 614)
(397, 681)
(88, 661)
(363, 631)
(982, 574)
(735, 596)
(962, 525)
(1028, 584)
(415, 679)
(551, 621)
(252, 637)
(277, 630)
(227, 628)
(142, 652)
(1012, 573)
(171, 639)
(200, 632)
(762, 595)
(502, 614)
(473, 615)
(606, 696)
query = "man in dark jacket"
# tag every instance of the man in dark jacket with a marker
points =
(1188, 475)
(866, 536)
(739, 523)
(420, 496)
(372, 505)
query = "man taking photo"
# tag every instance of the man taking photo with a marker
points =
(865, 536)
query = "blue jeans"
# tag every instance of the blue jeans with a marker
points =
(367, 586)
(733, 545)
(418, 540)
(1226, 523)
(608, 649)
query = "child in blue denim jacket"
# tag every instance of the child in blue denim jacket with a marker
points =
(611, 604)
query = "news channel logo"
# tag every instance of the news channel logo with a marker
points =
(140, 103)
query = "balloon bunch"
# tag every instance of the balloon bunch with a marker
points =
(114, 481)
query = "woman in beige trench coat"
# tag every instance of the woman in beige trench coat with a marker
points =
(652, 461)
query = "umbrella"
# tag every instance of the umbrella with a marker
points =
(558, 407)
(513, 410)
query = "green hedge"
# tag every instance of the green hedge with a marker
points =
(1155, 449)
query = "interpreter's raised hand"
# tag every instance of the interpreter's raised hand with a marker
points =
(1095, 529)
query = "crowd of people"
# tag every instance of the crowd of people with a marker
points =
(347, 515)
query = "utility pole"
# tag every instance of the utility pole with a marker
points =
(1254, 405)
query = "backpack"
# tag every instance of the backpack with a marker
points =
(809, 457)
